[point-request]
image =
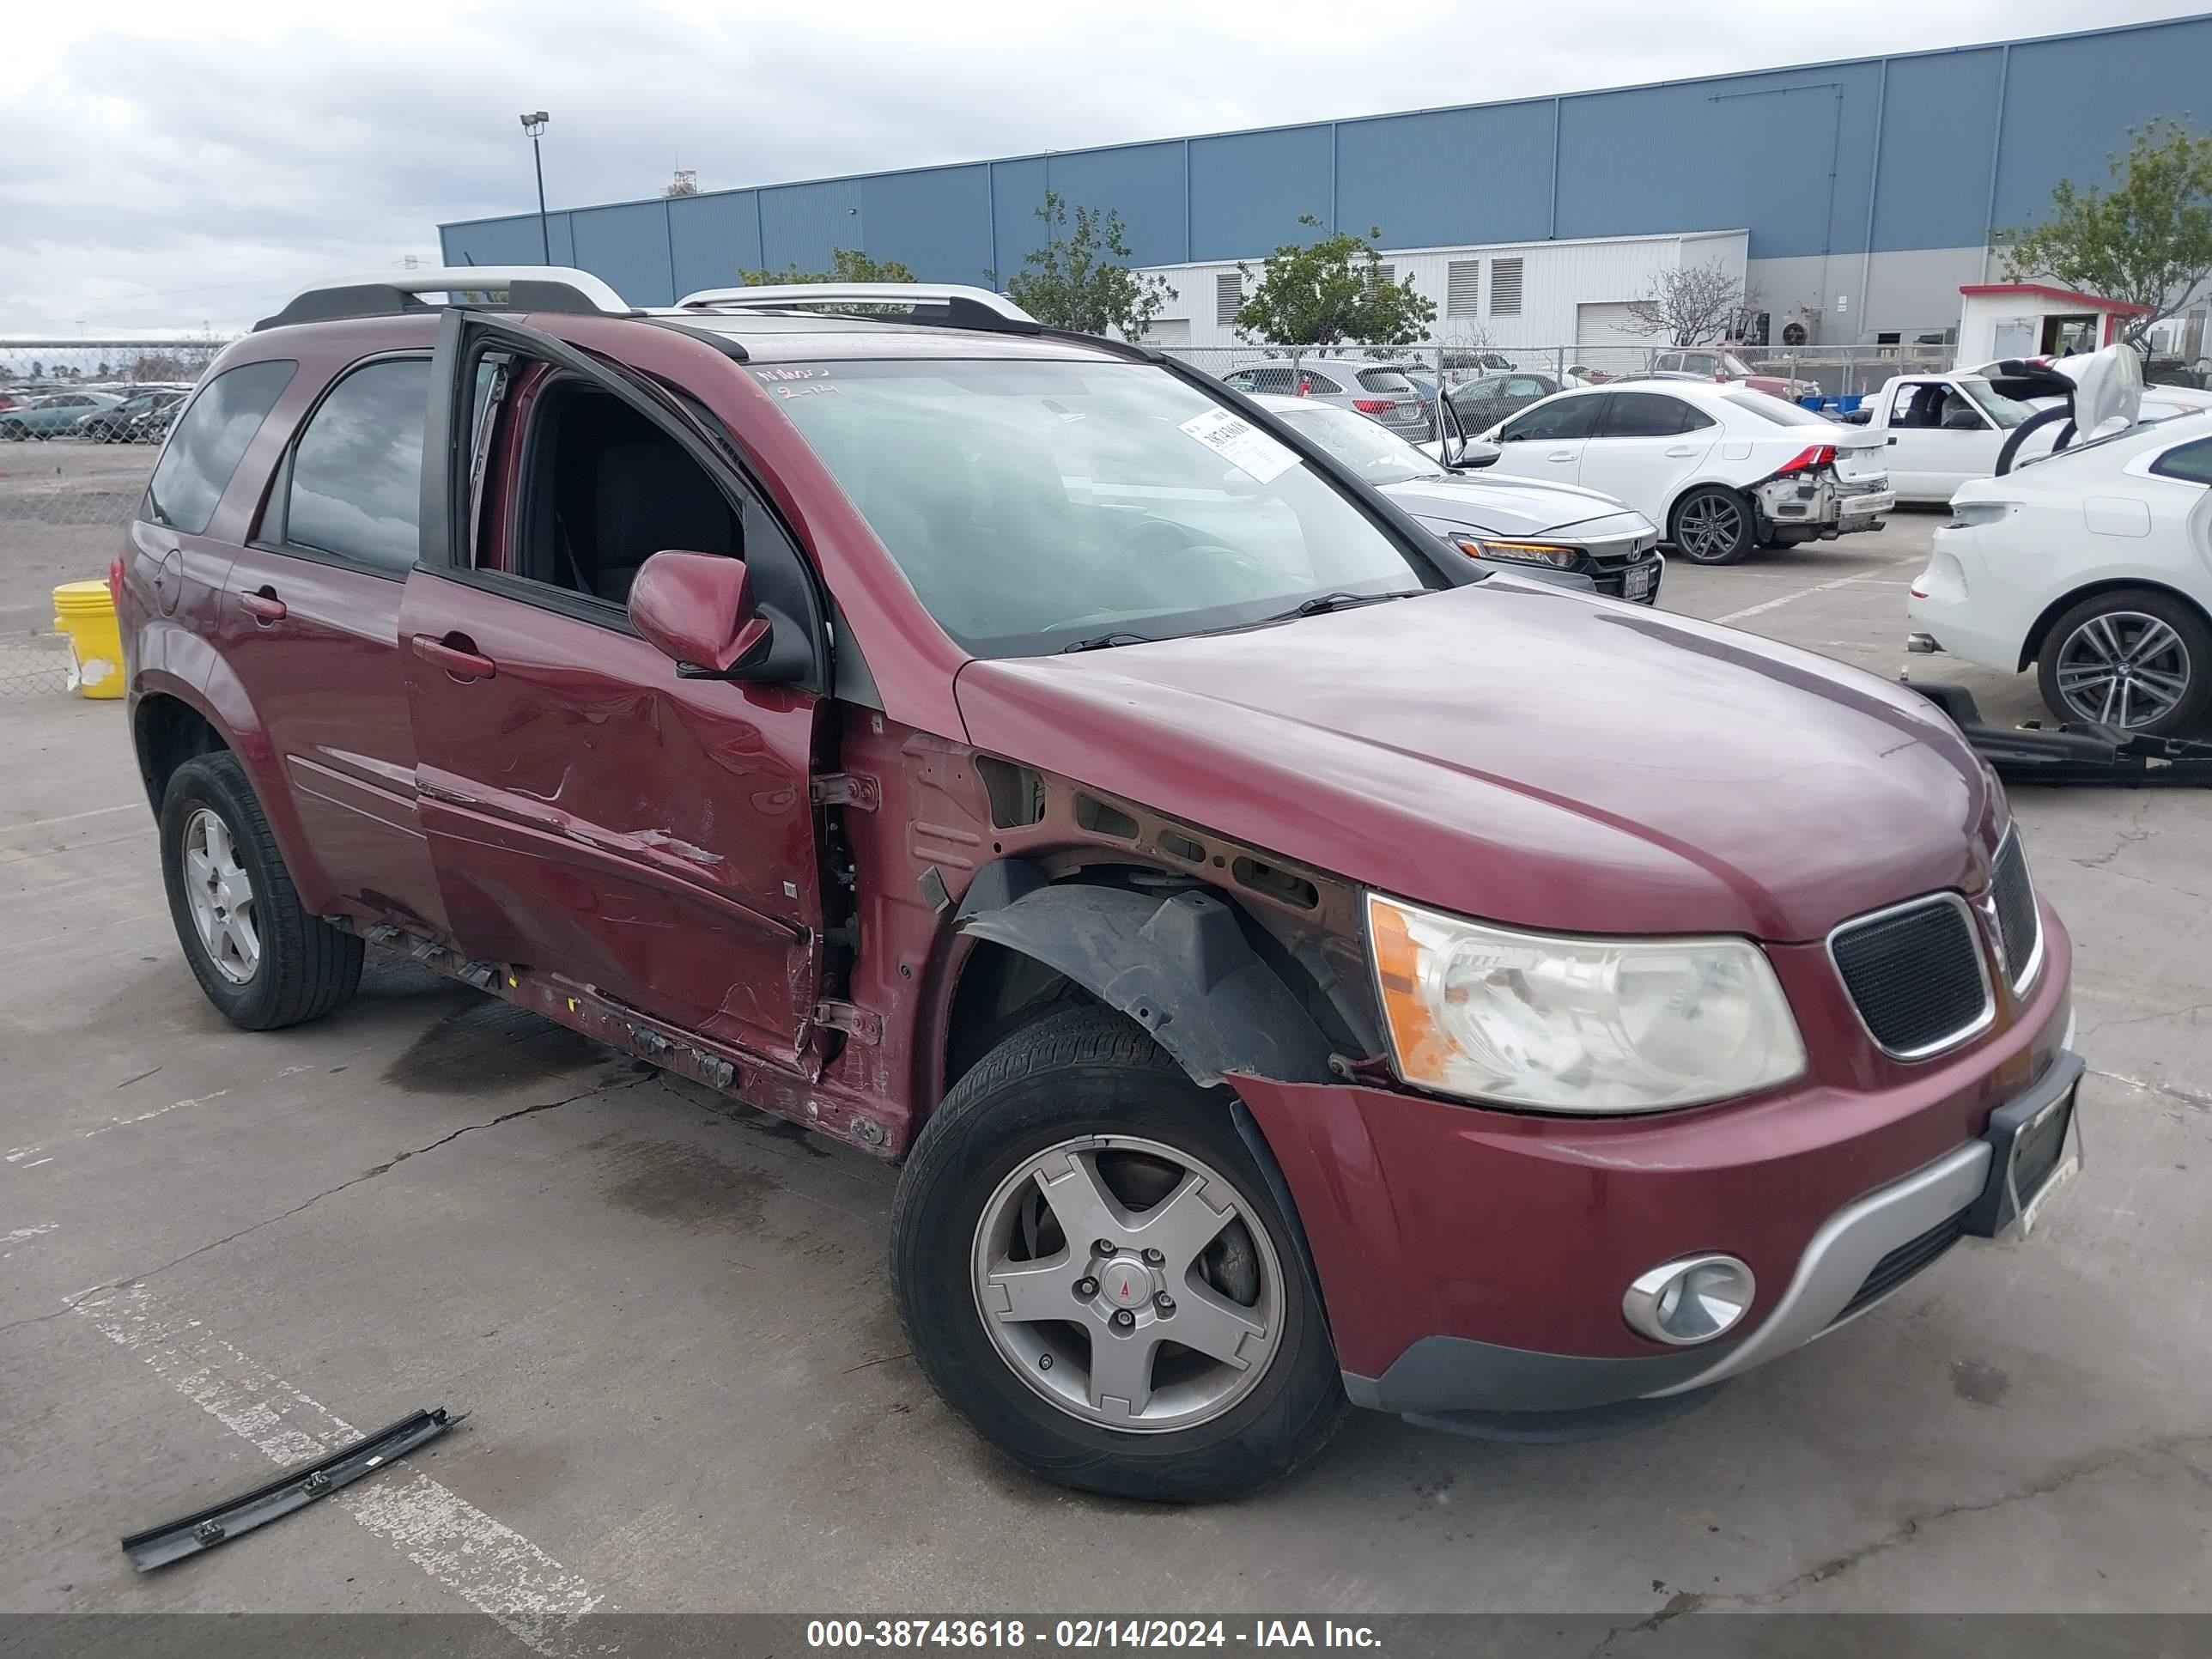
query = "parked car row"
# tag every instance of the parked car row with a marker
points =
(102, 417)
(1004, 751)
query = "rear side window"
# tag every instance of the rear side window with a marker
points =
(204, 449)
(1564, 417)
(1313, 383)
(1384, 379)
(2190, 463)
(358, 471)
(1647, 414)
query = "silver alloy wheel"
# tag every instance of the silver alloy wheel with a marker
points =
(2124, 668)
(1709, 527)
(1152, 1317)
(220, 894)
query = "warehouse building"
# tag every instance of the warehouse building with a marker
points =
(1856, 197)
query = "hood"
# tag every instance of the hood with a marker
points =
(1516, 751)
(1511, 507)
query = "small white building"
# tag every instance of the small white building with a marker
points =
(1997, 320)
(1507, 295)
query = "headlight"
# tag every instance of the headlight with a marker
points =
(1550, 553)
(1577, 1024)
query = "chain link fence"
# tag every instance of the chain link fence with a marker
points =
(81, 421)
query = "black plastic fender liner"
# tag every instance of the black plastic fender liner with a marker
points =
(1179, 965)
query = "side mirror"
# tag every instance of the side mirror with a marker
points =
(1478, 452)
(697, 609)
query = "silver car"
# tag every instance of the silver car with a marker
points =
(1381, 392)
(1561, 533)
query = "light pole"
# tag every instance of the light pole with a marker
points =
(534, 125)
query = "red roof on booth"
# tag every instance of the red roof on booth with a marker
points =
(2043, 290)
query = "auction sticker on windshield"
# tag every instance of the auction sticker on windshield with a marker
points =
(1241, 444)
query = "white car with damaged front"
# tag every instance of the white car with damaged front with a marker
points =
(2095, 565)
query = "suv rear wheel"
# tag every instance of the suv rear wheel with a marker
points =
(263, 960)
(2133, 658)
(1711, 525)
(1092, 1272)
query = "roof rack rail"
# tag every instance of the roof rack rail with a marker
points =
(505, 287)
(965, 306)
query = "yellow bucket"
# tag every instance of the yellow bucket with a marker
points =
(86, 613)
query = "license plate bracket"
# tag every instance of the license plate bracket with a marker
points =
(1638, 582)
(2037, 1144)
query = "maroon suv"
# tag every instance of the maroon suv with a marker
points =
(1299, 966)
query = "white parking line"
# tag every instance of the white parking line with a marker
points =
(72, 818)
(1791, 598)
(487, 1565)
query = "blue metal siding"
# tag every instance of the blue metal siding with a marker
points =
(1447, 176)
(1143, 183)
(1939, 119)
(802, 224)
(1017, 193)
(627, 245)
(936, 222)
(712, 238)
(1248, 189)
(1756, 150)
(2069, 105)
(1788, 154)
(511, 241)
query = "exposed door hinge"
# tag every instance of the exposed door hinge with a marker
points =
(855, 1022)
(846, 789)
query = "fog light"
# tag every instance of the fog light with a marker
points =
(1691, 1301)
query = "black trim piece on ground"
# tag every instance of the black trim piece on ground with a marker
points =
(2075, 753)
(203, 1529)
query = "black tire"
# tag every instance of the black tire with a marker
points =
(1086, 1071)
(1711, 525)
(306, 967)
(2191, 655)
(13, 431)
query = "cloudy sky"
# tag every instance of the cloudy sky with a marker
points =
(168, 167)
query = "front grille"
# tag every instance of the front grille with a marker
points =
(1915, 974)
(1906, 1260)
(2019, 929)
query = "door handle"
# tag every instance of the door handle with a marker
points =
(456, 661)
(263, 605)
(1683, 452)
(1560, 455)
(1889, 440)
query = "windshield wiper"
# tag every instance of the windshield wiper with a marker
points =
(1321, 604)
(1101, 641)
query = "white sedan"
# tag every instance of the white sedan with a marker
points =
(1722, 469)
(2094, 564)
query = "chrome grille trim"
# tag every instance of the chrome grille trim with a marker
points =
(1950, 1040)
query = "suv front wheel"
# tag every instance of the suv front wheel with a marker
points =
(262, 958)
(1092, 1272)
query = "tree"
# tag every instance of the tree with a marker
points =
(1080, 279)
(1691, 305)
(2147, 240)
(846, 266)
(1329, 291)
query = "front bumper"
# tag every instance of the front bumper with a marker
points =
(1473, 1262)
(1824, 505)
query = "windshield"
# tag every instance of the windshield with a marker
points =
(1379, 456)
(2006, 412)
(1034, 505)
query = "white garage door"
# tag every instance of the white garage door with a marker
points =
(1607, 325)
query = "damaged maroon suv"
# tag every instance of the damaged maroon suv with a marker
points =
(1299, 968)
